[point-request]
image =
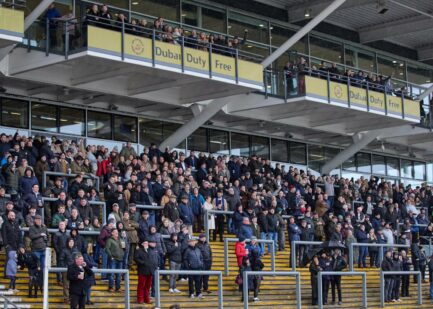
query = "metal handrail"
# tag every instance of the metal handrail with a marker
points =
(390, 273)
(8, 302)
(295, 243)
(226, 252)
(49, 173)
(295, 274)
(48, 269)
(188, 272)
(380, 246)
(341, 273)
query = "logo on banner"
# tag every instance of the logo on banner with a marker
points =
(137, 47)
(338, 91)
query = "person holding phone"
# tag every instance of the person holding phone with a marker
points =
(77, 273)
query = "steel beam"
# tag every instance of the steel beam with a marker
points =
(31, 18)
(302, 32)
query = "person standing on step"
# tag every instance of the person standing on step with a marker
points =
(77, 274)
(206, 252)
(396, 266)
(193, 260)
(314, 272)
(338, 264)
(115, 254)
(219, 203)
(174, 255)
(326, 265)
(147, 263)
(389, 280)
(405, 279)
(430, 275)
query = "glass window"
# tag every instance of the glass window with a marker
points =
(190, 14)
(219, 141)
(419, 169)
(260, 146)
(150, 131)
(391, 67)
(316, 158)
(363, 162)
(198, 140)
(298, 153)
(257, 29)
(168, 128)
(349, 164)
(168, 9)
(430, 172)
(213, 20)
(44, 117)
(125, 128)
(406, 169)
(280, 35)
(72, 121)
(240, 144)
(392, 167)
(327, 50)
(15, 113)
(279, 150)
(360, 59)
(379, 165)
(330, 153)
(418, 75)
(99, 125)
(122, 4)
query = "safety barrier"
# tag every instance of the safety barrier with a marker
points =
(293, 249)
(295, 274)
(341, 273)
(226, 252)
(68, 175)
(380, 246)
(208, 213)
(48, 269)
(7, 302)
(390, 273)
(188, 272)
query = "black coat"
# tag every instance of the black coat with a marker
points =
(193, 259)
(147, 261)
(11, 234)
(206, 251)
(174, 253)
(78, 286)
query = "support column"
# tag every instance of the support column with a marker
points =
(31, 18)
(361, 140)
(302, 32)
(425, 94)
(199, 119)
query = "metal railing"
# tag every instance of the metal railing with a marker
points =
(226, 252)
(380, 246)
(7, 302)
(86, 176)
(53, 231)
(208, 213)
(293, 249)
(188, 272)
(295, 274)
(390, 273)
(48, 269)
(341, 273)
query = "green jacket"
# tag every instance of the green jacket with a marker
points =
(57, 219)
(114, 249)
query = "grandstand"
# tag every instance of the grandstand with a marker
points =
(304, 126)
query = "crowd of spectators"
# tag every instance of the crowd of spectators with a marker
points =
(260, 194)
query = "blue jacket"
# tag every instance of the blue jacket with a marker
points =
(52, 14)
(294, 232)
(256, 247)
(245, 231)
(186, 214)
(26, 184)
(196, 203)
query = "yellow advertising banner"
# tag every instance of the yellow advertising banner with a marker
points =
(412, 109)
(358, 97)
(138, 48)
(393, 105)
(376, 101)
(250, 72)
(105, 40)
(316, 87)
(338, 92)
(223, 66)
(168, 54)
(11, 22)
(196, 60)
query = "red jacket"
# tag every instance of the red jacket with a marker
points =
(240, 252)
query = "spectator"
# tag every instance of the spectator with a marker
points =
(389, 279)
(314, 272)
(207, 205)
(147, 263)
(186, 213)
(59, 243)
(115, 254)
(39, 237)
(338, 264)
(362, 237)
(219, 203)
(430, 275)
(174, 255)
(131, 228)
(66, 258)
(193, 260)
(206, 253)
(77, 274)
(241, 251)
(245, 230)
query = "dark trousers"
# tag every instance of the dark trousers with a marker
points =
(373, 258)
(198, 223)
(325, 290)
(205, 278)
(336, 283)
(422, 269)
(78, 301)
(194, 281)
(314, 292)
(389, 285)
(405, 281)
(396, 288)
(415, 268)
(219, 224)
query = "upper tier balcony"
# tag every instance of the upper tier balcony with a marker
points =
(121, 59)
(11, 26)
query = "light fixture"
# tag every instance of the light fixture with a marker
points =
(261, 25)
(394, 61)
(307, 13)
(135, 3)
